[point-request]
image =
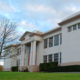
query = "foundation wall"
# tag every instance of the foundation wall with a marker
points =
(33, 68)
(7, 69)
(70, 63)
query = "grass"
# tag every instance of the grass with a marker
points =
(38, 76)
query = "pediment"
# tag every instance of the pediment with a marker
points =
(25, 36)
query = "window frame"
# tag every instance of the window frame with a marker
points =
(19, 51)
(60, 38)
(50, 57)
(51, 43)
(60, 57)
(45, 43)
(74, 27)
(56, 43)
(18, 62)
(45, 60)
(69, 28)
(56, 57)
(78, 25)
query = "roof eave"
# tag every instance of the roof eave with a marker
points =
(63, 22)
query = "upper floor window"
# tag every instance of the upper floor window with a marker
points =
(45, 43)
(79, 26)
(56, 57)
(56, 40)
(69, 29)
(60, 38)
(51, 42)
(45, 58)
(18, 51)
(74, 27)
(50, 58)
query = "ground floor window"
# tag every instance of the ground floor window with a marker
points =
(45, 58)
(60, 57)
(18, 62)
(56, 57)
(50, 58)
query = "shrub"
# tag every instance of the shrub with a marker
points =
(46, 66)
(14, 68)
(41, 67)
(52, 64)
(73, 68)
(1, 68)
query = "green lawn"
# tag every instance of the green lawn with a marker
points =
(38, 76)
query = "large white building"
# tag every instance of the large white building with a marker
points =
(61, 44)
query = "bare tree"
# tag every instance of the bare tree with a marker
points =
(7, 33)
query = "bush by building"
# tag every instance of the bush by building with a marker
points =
(41, 67)
(53, 67)
(14, 68)
(53, 64)
(73, 68)
(45, 66)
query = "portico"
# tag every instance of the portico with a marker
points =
(29, 50)
(29, 55)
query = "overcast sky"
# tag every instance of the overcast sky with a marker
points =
(40, 15)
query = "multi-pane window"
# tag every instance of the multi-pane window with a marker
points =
(60, 57)
(50, 58)
(18, 51)
(74, 27)
(56, 40)
(45, 58)
(79, 26)
(18, 62)
(45, 43)
(8, 50)
(56, 57)
(51, 42)
(60, 38)
(69, 29)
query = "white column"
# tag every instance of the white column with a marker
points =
(23, 55)
(31, 52)
(34, 53)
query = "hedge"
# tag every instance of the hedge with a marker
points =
(52, 64)
(45, 66)
(41, 67)
(14, 68)
(73, 68)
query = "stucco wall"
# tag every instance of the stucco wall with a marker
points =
(54, 49)
(70, 43)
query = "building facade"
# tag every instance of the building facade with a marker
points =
(57, 45)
